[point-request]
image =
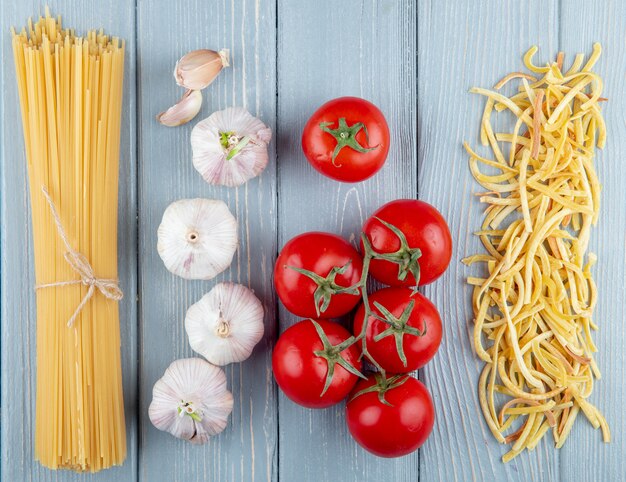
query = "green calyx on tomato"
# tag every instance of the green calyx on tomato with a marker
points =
(346, 136)
(382, 386)
(399, 324)
(319, 257)
(415, 324)
(405, 257)
(422, 227)
(317, 270)
(327, 287)
(391, 429)
(301, 374)
(332, 354)
(398, 327)
(346, 122)
(388, 413)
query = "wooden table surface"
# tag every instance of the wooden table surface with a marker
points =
(416, 60)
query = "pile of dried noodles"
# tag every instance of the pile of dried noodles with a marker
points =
(534, 306)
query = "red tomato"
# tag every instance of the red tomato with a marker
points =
(407, 309)
(424, 228)
(346, 139)
(334, 264)
(301, 369)
(397, 427)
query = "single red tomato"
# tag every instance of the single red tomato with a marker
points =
(413, 331)
(346, 139)
(314, 273)
(421, 244)
(315, 363)
(392, 417)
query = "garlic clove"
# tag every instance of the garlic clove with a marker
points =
(230, 147)
(191, 400)
(226, 324)
(197, 238)
(201, 436)
(197, 69)
(185, 110)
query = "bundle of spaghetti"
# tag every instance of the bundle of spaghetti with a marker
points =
(70, 91)
(533, 307)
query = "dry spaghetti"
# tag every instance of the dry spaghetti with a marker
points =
(533, 307)
(70, 91)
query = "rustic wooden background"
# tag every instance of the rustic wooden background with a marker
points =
(416, 60)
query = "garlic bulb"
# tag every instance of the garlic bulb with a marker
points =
(197, 238)
(197, 69)
(185, 110)
(230, 147)
(191, 400)
(226, 324)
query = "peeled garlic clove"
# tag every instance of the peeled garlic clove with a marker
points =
(197, 69)
(197, 238)
(230, 147)
(191, 400)
(185, 110)
(226, 324)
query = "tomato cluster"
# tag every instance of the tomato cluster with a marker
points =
(318, 363)
(318, 276)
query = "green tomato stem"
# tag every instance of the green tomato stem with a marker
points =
(406, 258)
(346, 137)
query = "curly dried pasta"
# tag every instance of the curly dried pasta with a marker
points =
(533, 308)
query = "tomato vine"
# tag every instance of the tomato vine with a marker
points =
(407, 260)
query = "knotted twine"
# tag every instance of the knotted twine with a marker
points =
(79, 263)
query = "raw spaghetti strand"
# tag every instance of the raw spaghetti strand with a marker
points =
(533, 308)
(70, 91)
(108, 287)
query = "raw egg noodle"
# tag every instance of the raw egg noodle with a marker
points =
(533, 309)
(70, 91)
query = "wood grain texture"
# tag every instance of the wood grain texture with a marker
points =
(288, 58)
(464, 44)
(366, 49)
(18, 298)
(246, 450)
(585, 456)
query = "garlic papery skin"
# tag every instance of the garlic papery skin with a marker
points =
(191, 400)
(226, 324)
(197, 69)
(185, 110)
(197, 238)
(230, 147)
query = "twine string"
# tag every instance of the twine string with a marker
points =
(79, 263)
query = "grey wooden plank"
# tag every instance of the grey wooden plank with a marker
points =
(464, 44)
(360, 48)
(246, 450)
(18, 299)
(584, 455)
